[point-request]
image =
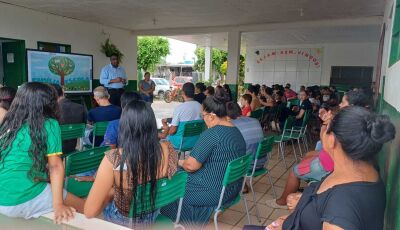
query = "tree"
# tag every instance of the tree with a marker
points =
(218, 58)
(61, 66)
(151, 51)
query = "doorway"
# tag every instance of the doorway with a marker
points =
(12, 62)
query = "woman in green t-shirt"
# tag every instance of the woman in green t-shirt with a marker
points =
(30, 149)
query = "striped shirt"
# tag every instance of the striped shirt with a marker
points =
(215, 148)
(252, 133)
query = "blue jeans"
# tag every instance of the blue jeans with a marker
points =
(112, 214)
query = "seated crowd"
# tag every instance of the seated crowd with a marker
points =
(343, 182)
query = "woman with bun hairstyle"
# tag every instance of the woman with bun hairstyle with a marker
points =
(352, 197)
(221, 143)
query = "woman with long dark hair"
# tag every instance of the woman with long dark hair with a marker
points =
(7, 95)
(221, 143)
(30, 149)
(139, 159)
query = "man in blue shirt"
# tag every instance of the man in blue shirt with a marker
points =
(113, 77)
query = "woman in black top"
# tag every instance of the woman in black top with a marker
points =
(352, 197)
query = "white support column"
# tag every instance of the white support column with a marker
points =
(234, 39)
(208, 62)
(134, 60)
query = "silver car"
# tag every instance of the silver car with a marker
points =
(162, 86)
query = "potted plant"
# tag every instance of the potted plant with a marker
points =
(109, 48)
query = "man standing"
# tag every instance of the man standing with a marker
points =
(113, 77)
(147, 87)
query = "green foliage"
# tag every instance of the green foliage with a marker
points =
(107, 48)
(218, 58)
(224, 70)
(61, 66)
(151, 51)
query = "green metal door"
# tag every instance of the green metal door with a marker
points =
(14, 63)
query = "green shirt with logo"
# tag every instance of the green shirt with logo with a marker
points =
(16, 187)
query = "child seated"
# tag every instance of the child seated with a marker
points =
(245, 101)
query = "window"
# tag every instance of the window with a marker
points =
(356, 76)
(395, 49)
(54, 47)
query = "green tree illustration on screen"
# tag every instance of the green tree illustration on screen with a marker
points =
(61, 66)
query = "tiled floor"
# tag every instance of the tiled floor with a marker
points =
(235, 217)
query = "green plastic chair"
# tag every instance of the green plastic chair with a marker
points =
(168, 191)
(192, 131)
(257, 114)
(80, 162)
(73, 131)
(99, 129)
(285, 137)
(292, 102)
(300, 132)
(235, 171)
(264, 150)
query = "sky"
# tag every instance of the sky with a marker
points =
(180, 51)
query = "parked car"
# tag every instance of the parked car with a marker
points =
(162, 86)
(178, 82)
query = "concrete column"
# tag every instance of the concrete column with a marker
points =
(232, 76)
(133, 80)
(208, 63)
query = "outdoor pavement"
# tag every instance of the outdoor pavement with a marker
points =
(163, 109)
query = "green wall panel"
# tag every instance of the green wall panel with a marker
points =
(389, 165)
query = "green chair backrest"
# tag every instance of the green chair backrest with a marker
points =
(288, 126)
(168, 191)
(265, 147)
(84, 161)
(292, 102)
(193, 128)
(237, 169)
(72, 131)
(257, 114)
(100, 128)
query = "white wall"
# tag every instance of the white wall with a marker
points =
(392, 73)
(335, 54)
(84, 37)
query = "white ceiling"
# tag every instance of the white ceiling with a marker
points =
(319, 35)
(166, 14)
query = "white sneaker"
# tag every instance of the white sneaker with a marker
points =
(272, 204)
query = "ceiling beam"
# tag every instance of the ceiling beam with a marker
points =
(374, 20)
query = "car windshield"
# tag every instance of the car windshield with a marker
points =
(164, 81)
(160, 81)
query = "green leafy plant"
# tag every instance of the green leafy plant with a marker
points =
(108, 48)
(151, 51)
